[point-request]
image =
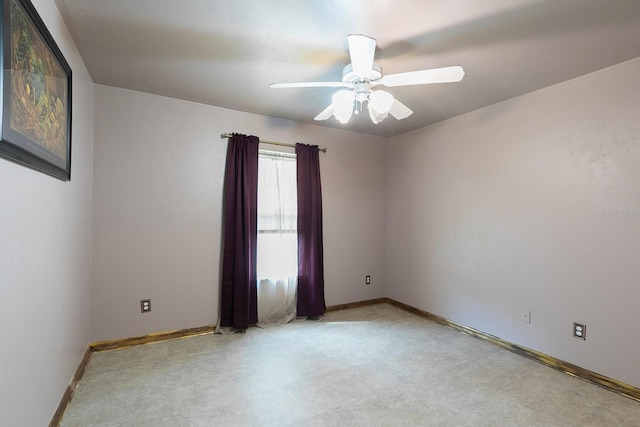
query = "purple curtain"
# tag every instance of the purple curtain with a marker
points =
(310, 259)
(238, 297)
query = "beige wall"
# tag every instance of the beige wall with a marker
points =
(45, 263)
(530, 204)
(159, 166)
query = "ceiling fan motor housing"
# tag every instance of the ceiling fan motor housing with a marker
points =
(350, 78)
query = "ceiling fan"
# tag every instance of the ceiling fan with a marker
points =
(359, 77)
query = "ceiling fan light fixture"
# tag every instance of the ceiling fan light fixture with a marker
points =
(381, 101)
(376, 117)
(342, 103)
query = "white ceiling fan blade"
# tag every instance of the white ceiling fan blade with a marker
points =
(325, 114)
(361, 50)
(305, 84)
(399, 110)
(434, 75)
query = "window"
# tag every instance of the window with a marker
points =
(277, 263)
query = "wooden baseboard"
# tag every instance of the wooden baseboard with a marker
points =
(356, 304)
(151, 338)
(201, 330)
(191, 332)
(71, 389)
(610, 384)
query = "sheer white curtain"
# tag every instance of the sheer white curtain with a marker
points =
(277, 263)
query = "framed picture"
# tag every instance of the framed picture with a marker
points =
(35, 92)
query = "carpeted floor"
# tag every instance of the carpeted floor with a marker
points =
(371, 366)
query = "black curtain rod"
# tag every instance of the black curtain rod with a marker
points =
(262, 141)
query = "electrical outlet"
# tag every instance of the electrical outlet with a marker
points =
(367, 280)
(579, 331)
(145, 305)
(526, 316)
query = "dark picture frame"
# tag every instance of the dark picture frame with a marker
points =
(35, 93)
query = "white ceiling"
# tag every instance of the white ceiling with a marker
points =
(226, 53)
